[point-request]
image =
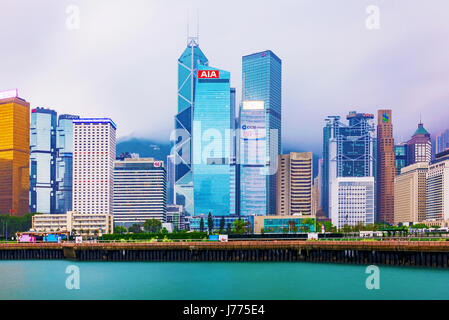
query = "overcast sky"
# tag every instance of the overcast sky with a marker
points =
(122, 61)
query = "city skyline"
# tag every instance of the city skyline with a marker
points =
(396, 67)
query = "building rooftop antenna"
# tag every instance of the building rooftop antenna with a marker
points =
(198, 26)
(188, 31)
(192, 41)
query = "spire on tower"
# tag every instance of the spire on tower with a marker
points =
(193, 41)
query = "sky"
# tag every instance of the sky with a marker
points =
(118, 59)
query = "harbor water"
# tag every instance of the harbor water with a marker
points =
(45, 279)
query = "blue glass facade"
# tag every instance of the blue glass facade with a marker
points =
(212, 144)
(400, 154)
(195, 222)
(290, 225)
(235, 166)
(261, 73)
(42, 160)
(188, 64)
(64, 163)
(324, 194)
(170, 179)
(253, 180)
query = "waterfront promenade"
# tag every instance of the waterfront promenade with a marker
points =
(388, 252)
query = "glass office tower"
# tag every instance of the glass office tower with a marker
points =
(235, 166)
(64, 163)
(188, 64)
(400, 156)
(212, 143)
(43, 160)
(253, 140)
(324, 192)
(349, 169)
(261, 74)
(14, 154)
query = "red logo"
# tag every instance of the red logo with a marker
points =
(157, 164)
(208, 74)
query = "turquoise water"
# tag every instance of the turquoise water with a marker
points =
(216, 280)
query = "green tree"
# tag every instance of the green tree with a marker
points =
(152, 225)
(10, 225)
(210, 223)
(228, 228)
(419, 226)
(120, 230)
(201, 224)
(222, 224)
(329, 227)
(135, 228)
(292, 226)
(238, 226)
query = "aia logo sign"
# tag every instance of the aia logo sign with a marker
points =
(385, 117)
(208, 74)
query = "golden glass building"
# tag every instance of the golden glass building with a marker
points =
(14, 154)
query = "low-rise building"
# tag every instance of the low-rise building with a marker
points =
(79, 223)
(284, 224)
(195, 221)
(175, 215)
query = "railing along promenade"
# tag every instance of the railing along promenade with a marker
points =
(388, 252)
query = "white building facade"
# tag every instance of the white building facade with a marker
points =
(352, 201)
(140, 191)
(94, 143)
(437, 190)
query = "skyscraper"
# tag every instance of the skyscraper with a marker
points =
(442, 142)
(348, 169)
(324, 191)
(94, 148)
(14, 153)
(64, 163)
(437, 188)
(139, 191)
(43, 160)
(410, 193)
(262, 73)
(212, 142)
(294, 183)
(234, 161)
(253, 159)
(419, 146)
(188, 64)
(170, 179)
(386, 168)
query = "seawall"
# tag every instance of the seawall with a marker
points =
(405, 253)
